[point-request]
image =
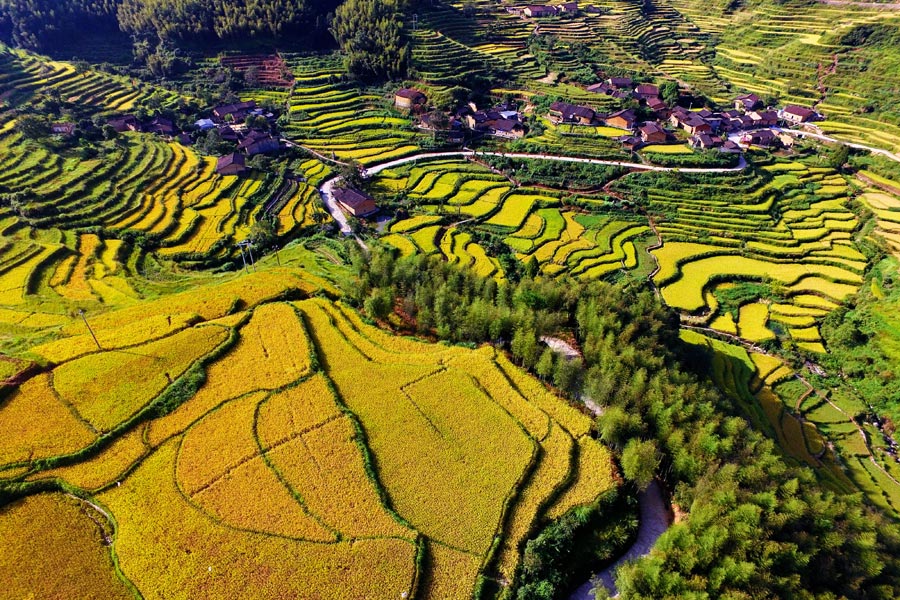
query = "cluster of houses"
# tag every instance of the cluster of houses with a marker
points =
(747, 123)
(540, 11)
(228, 120)
(706, 129)
(503, 121)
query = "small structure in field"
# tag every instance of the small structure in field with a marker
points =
(231, 164)
(355, 202)
(645, 90)
(747, 103)
(798, 114)
(161, 126)
(258, 142)
(539, 10)
(64, 129)
(237, 112)
(705, 141)
(125, 123)
(409, 99)
(563, 112)
(623, 119)
(507, 128)
(651, 133)
(764, 138)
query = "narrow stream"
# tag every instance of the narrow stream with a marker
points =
(655, 511)
(655, 520)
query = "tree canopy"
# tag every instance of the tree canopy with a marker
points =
(370, 33)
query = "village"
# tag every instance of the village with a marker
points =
(747, 123)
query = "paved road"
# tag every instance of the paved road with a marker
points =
(827, 138)
(326, 190)
(593, 161)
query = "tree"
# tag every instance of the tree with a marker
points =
(640, 460)
(251, 76)
(351, 174)
(264, 232)
(32, 127)
(378, 304)
(545, 364)
(566, 376)
(669, 92)
(370, 34)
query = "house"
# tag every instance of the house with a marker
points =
(695, 124)
(705, 141)
(620, 83)
(599, 88)
(798, 114)
(125, 123)
(231, 164)
(204, 124)
(237, 111)
(764, 137)
(258, 142)
(507, 128)
(678, 115)
(659, 107)
(730, 147)
(630, 142)
(65, 129)
(539, 10)
(651, 133)
(764, 118)
(161, 126)
(623, 119)
(228, 134)
(645, 90)
(563, 112)
(409, 99)
(355, 202)
(568, 7)
(747, 103)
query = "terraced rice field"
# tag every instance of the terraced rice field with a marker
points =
(769, 49)
(161, 193)
(788, 225)
(371, 487)
(342, 120)
(561, 240)
(23, 75)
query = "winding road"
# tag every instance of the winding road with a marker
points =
(326, 189)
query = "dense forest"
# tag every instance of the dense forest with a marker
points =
(760, 526)
(369, 32)
(39, 24)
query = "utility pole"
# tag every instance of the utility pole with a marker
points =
(278, 258)
(86, 324)
(248, 245)
(250, 251)
(241, 248)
